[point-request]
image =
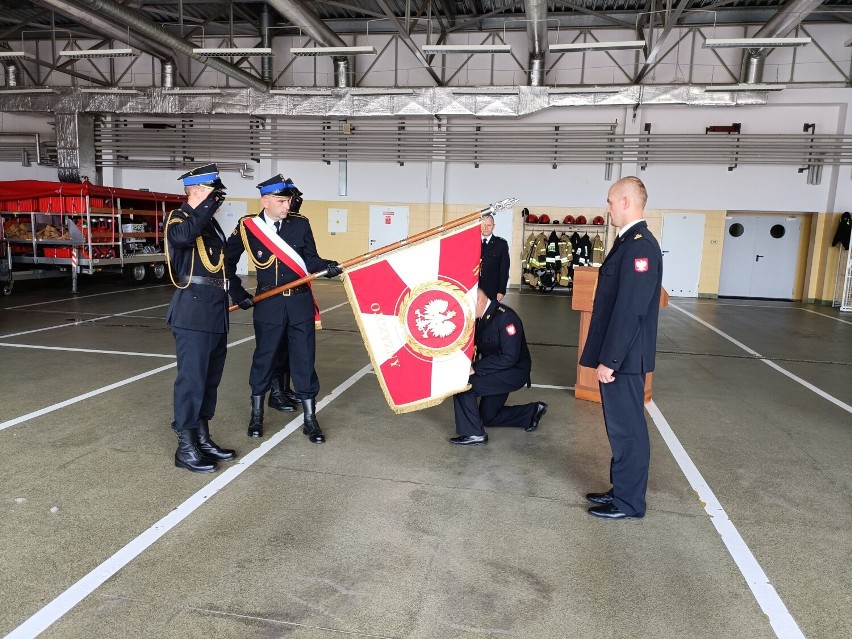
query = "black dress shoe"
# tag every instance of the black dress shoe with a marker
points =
(611, 511)
(469, 440)
(540, 410)
(600, 498)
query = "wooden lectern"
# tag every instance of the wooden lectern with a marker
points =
(585, 283)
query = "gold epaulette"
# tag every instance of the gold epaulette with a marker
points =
(637, 236)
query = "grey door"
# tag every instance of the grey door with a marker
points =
(759, 256)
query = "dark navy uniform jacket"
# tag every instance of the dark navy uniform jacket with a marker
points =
(278, 309)
(494, 273)
(196, 243)
(623, 330)
(501, 347)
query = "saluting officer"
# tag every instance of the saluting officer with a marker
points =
(280, 245)
(502, 365)
(198, 316)
(494, 269)
(621, 345)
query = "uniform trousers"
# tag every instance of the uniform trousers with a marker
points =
(200, 362)
(491, 391)
(623, 403)
(301, 343)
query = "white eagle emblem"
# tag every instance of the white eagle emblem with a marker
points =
(435, 319)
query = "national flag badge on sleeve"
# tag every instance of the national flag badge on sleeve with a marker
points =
(510, 329)
(640, 264)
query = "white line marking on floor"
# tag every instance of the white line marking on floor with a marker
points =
(83, 297)
(769, 363)
(54, 610)
(770, 603)
(552, 387)
(836, 319)
(334, 307)
(98, 391)
(719, 303)
(85, 350)
(83, 321)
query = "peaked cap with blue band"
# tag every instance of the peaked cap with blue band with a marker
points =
(279, 186)
(207, 175)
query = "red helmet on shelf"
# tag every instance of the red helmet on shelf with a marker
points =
(544, 219)
(569, 219)
(599, 220)
(532, 218)
(581, 219)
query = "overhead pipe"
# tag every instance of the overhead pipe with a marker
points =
(310, 23)
(139, 22)
(782, 23)
(109, 29)
(167, 74)
(265, 42)
(536, 15)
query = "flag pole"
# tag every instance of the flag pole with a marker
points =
(488, 210)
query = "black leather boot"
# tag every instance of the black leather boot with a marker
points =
(288, 392)
(312, 428)
(255, 427)
(278, 395)
(209, 448)
(188, 456)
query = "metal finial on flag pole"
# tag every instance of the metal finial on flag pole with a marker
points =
(488, 210)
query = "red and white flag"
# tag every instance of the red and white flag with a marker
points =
(416, 309)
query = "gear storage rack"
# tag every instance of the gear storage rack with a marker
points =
(62, 229)
(532, 263)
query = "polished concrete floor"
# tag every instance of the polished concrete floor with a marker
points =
(387, 530)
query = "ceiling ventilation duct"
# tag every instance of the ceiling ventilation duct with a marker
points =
(140, 23)
(787, 19)
(11, 70)
(109, 29)
(310, 23)
(536, 14)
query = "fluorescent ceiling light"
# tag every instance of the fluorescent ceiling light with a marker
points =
(14, 54)
(234, 51)
(466, 48)
(339, 51)
(109, 90)
(298, 91)
(560, 90)
(485, 90)
(753, 43)
(598, 46)
(380, 91)
(98, 53)
(745, 87)
(28, 90)
(192, 91)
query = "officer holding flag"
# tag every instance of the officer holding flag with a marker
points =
(280, 244)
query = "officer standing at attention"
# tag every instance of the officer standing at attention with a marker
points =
(502, 365)
(494, 270)
(621, 345)
(280, 244)
(198, 316)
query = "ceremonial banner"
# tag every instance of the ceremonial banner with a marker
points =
(415, 307)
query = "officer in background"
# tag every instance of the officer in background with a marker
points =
(494, 270)
(280, 244)
(198, 316)
(621, 346)
(502, 365)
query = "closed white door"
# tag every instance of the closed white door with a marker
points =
(228, 215)
(759, 256)
(682, 244)
(388, 224)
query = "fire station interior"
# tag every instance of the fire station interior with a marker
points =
(393, 119)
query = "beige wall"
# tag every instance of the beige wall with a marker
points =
(817, 260)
